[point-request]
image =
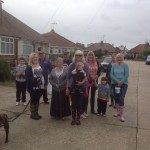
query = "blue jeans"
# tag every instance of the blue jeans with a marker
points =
(119, 98)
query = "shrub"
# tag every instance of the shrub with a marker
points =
(4, 70)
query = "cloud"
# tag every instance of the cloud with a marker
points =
(121, 21)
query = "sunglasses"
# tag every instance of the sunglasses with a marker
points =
(79, 55)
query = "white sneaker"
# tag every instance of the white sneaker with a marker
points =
(17, 103)
(85, 114)
(84, 117)
(24, 103)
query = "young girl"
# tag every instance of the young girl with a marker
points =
(103, 96)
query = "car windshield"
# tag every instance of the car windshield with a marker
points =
(148, 57)
(107, 59)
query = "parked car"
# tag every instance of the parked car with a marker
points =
(105, 63)
(148, 60)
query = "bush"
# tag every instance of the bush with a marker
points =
(4, 70)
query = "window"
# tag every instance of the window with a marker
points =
(59, 51)
(51, 51)
(6, 45)
(27, 47)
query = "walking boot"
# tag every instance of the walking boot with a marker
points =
(33, 112)
(121, 114)
(78, 118)
(37, 108)
(73, 122)
(118, 111)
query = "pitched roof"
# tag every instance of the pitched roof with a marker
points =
(58, 40)
(102, 46)
(13, 27)
(140, 48)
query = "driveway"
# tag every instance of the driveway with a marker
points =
(94, 133)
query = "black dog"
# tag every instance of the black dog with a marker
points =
(4, 122)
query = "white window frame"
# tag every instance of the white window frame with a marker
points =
(27, 47)
(7, 41)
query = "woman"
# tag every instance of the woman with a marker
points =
(60, 103)
(119, 79)
(94, 70)
(76, 94)
(36, 83)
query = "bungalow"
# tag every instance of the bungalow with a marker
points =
(101, 46)
(138, 51)
(58, 44)
(17, 39)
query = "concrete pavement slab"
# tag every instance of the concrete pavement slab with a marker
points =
(105, 133)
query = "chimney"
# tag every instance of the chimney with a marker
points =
(1, 2)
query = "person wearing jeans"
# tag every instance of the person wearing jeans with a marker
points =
(119, 79)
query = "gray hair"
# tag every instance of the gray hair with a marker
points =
(83, 59)
(58, 59)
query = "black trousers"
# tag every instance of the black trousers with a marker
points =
(35, 96)
(92, 99)
(21, 91)
(45, 98)
(102, 106)
(77, 99)
(84, 104)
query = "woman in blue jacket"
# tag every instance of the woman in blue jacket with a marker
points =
(119, 80)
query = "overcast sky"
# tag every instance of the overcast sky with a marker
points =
(118, 22)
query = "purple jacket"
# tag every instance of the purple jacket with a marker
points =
(46, 66)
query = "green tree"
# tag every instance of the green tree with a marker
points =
(146, 53)
(4, 70)
(99, 53)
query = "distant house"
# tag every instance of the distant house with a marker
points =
(101, 46)
(58, 44)
(139, 49)
(17, 39)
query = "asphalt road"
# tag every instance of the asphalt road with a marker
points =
(94, 133)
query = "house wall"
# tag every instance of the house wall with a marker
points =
(60, 50)
(44, 47)
(20, 47)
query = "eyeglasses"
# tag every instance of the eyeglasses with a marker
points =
(78, 55)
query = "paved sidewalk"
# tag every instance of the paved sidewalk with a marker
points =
(95, 133)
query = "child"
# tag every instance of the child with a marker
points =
(78, 74)
(103, 96)
(20, 81)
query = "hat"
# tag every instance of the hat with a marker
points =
(40, 50)
(78, 52)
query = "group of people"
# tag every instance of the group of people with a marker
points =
(73, 83)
